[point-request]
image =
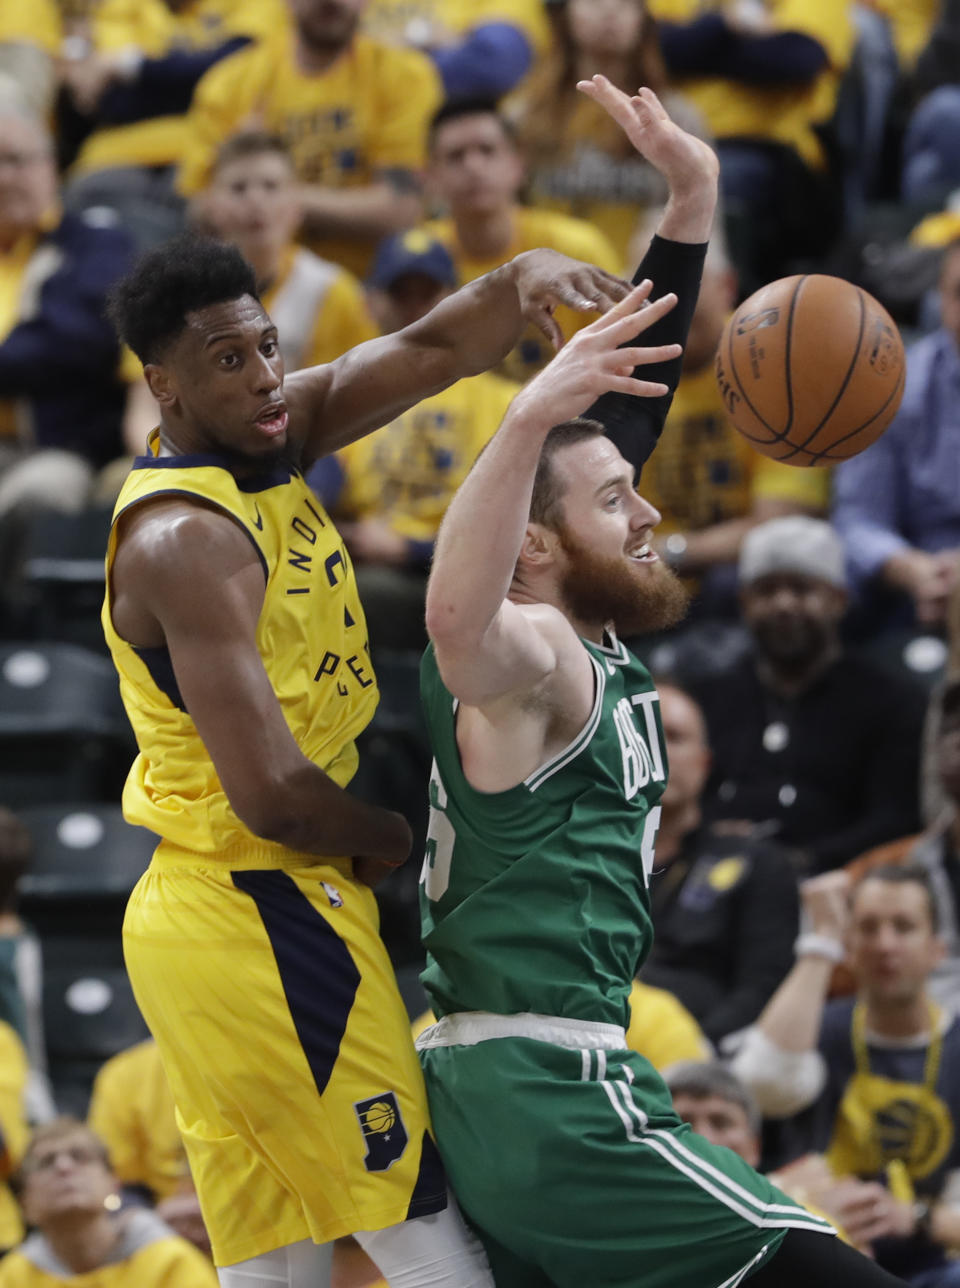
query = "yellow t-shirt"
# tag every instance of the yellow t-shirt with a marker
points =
(581, 177)
(320, 310)
(132, 1112)
(704, 471)
(392, 19)
(784, 115)
(937, 230)
(366, 114)
(13, 1126)
(35, 23)
(408, 471)
(662, 1029)
(156, 28)
(532, 229)
(166, 1262)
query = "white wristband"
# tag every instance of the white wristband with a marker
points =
(811, 944)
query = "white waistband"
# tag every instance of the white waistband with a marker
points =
(467, 1028)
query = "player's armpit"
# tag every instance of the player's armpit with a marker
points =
(200, 579)
(515, 654)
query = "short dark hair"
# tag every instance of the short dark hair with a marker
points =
(16, 853)
(251, 143)
(149, 306)
(903, 874)
(546, 499)
(700, 1080)
(455, 109)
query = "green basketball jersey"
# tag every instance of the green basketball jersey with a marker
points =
(535, 899)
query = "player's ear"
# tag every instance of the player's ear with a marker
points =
(159, 383)
(539, 546)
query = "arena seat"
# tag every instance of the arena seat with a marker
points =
(89, 1013)
(61, 576)
(84, 851)
(63, 731)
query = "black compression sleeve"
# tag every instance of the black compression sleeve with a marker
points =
(634, 424)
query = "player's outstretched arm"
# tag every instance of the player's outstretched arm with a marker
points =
(468, 332)
(189, 575)
(486, 645)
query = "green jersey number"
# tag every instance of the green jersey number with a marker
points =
(441, 837)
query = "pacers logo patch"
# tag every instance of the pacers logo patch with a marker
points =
(383, 1130)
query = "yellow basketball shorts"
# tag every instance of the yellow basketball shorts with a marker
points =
(287, 1047)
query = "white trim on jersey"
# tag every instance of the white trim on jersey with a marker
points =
(573, 749)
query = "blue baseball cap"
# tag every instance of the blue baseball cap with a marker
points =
(411, 252)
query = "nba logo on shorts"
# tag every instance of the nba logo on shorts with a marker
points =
(333, 894)
(383, 1130)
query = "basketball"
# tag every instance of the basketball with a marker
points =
(811, 369)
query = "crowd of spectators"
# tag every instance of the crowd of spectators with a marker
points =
(367, 157)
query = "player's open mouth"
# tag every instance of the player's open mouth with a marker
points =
(643, 554)
(273, 420)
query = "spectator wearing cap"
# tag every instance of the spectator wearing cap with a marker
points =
(725, 907)
(897, 504)
(390, 490)
(817, 747)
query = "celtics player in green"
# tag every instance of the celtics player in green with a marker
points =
(561, 1144)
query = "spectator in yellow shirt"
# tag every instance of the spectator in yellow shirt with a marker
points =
(580, 162)
(765, 75)
(478, 46)
(135, 86)
(476, 171)
(709, 484)
(254, 202)
(396, 484)
(132, 1112)
(68, 1193)
(13, 1129)
(353, 112)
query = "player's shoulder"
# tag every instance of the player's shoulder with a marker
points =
(164, 537)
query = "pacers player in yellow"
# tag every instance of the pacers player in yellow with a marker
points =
(234, 622)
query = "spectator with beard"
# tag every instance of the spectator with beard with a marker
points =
(725, 907)
(353, 112)
(818, 747)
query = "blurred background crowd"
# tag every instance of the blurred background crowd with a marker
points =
(367, 157)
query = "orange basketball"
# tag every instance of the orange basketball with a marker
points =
(811, 369)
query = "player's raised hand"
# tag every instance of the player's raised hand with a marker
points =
(546, 279)
(598, 360)
(685, 161)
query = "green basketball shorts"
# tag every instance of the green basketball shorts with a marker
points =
(569, 1160)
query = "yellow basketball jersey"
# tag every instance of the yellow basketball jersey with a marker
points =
(311, 635)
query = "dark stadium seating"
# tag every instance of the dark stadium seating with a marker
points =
(63, 731)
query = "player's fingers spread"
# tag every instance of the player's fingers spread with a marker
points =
(643, 357)
(653, 103)
(639, 319)
(609, 289)
(640, 388)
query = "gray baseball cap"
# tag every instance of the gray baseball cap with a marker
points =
(795, 543)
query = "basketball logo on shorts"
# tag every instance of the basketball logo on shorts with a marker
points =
(383, 1130)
